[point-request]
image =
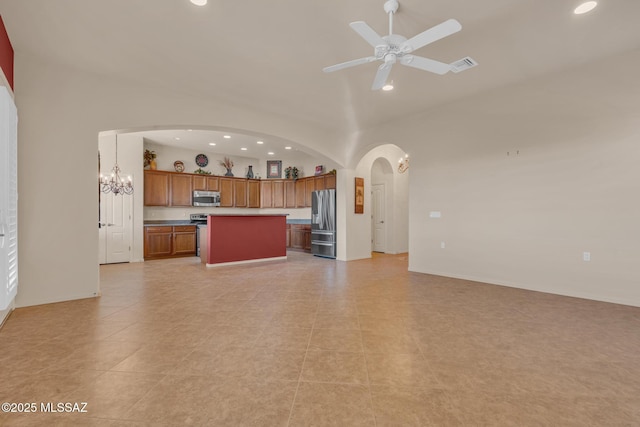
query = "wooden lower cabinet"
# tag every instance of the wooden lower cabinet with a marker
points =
(184, 240)
(166, 241)
(158, 241)
(299, 237)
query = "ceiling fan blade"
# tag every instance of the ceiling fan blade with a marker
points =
(381, 76)
(367, 33)
(425, 64)
(348, 64)
(431, 35)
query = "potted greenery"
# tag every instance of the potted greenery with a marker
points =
(150, 159)
(291, 172)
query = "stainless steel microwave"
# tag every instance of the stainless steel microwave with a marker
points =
(206, 198)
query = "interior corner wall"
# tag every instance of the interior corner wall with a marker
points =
(62, 110)
(528, 179)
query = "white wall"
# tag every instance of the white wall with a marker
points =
(62, 110)
(569, 184)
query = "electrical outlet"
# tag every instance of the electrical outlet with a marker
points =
(586, 256)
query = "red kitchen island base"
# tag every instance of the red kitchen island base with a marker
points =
(237, 239)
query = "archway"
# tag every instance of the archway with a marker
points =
(377, 166)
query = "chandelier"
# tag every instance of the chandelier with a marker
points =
(114, 184)
(403, 164)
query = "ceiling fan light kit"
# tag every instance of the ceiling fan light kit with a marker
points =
(396, 48)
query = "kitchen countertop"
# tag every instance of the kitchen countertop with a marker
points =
(298, 221)
(168, 222)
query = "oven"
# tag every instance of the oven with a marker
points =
(200, 221)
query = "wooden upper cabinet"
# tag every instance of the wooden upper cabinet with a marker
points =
(226, 192)
(208, 183)
(330, 181)
(181, 189)
(266, 194)
(300, 185)
(309, 187)
(319, 183)
(156, 188)
(240, 190)
(278, 196)
(253, 198)
(289, 194)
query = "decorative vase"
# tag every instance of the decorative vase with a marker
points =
(229, 173)
(250, 173)
(153, 165)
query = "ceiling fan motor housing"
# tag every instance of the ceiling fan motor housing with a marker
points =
(391, 6)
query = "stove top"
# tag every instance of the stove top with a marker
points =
(199, 218)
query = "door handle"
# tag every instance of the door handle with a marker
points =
(110, 225)
(381, 222)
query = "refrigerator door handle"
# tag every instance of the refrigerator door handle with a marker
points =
(316, 242)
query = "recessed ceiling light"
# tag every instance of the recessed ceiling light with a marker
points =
(189, 130)
(585, 7)
(271, 153)
(259, 142)
(287, 148)
(177, 138)
(387, 87)
(199, 2)
(227, 136)
(212, 143)
(244, 148)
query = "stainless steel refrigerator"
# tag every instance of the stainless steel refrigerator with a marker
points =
(323, 223)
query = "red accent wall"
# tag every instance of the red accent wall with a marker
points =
(6, 54)
(240, 238)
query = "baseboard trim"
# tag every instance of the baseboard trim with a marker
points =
(581, 295)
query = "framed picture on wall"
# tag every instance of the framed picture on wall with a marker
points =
(319, 169)
(359, 196)
(274, 168)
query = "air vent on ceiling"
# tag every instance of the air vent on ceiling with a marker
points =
(463, 64)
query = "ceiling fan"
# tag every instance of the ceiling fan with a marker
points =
(396, 48)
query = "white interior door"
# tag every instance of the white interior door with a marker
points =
(378, 224)
(116, 226)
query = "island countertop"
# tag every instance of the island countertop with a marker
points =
(245, 214)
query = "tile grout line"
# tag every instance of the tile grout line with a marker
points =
(366, 365)
(304, 360)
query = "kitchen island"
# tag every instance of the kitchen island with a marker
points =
(237, 239)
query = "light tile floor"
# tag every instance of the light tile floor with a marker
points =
(312, 341)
